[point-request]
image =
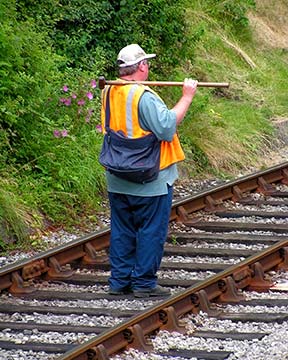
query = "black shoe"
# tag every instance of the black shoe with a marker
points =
(122, 291)
(157, 291)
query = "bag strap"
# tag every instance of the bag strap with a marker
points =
(107, 110)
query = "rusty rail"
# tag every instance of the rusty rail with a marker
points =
(223, 287)
(87, 249)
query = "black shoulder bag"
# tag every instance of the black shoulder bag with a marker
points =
(132, 159)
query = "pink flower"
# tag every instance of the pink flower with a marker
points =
(74, 96)
(67, 102)
(89, 114)
(65, 88)
(81, 102)
(60, 133)
(89, 95)
(57, 133)
(93, 83)
(99, 128)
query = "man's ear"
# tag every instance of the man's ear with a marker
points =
(141, 67)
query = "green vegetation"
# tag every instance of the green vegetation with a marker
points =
(52, 53)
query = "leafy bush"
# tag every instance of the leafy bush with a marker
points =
(80, 29)
(34, 113)
(61, 153)
(28, 68)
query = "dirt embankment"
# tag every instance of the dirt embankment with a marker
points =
(270, 28)
(270, 24)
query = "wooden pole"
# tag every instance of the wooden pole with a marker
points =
(102, 82)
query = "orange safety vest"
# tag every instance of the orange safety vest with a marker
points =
(124, 102)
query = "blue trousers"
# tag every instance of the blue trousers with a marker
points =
(139, 227)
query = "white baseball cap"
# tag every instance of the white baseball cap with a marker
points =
(132, 54)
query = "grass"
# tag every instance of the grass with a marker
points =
(69, 192)
(16, 218)
(232, 126)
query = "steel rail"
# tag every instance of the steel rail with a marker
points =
(234, 190)
(222, 287)
(51, 264)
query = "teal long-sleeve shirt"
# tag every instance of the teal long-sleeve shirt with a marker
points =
(156, 117)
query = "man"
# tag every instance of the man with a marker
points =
(140, 212)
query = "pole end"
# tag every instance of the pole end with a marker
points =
(101, 82)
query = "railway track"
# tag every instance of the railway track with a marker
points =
(229, 247)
